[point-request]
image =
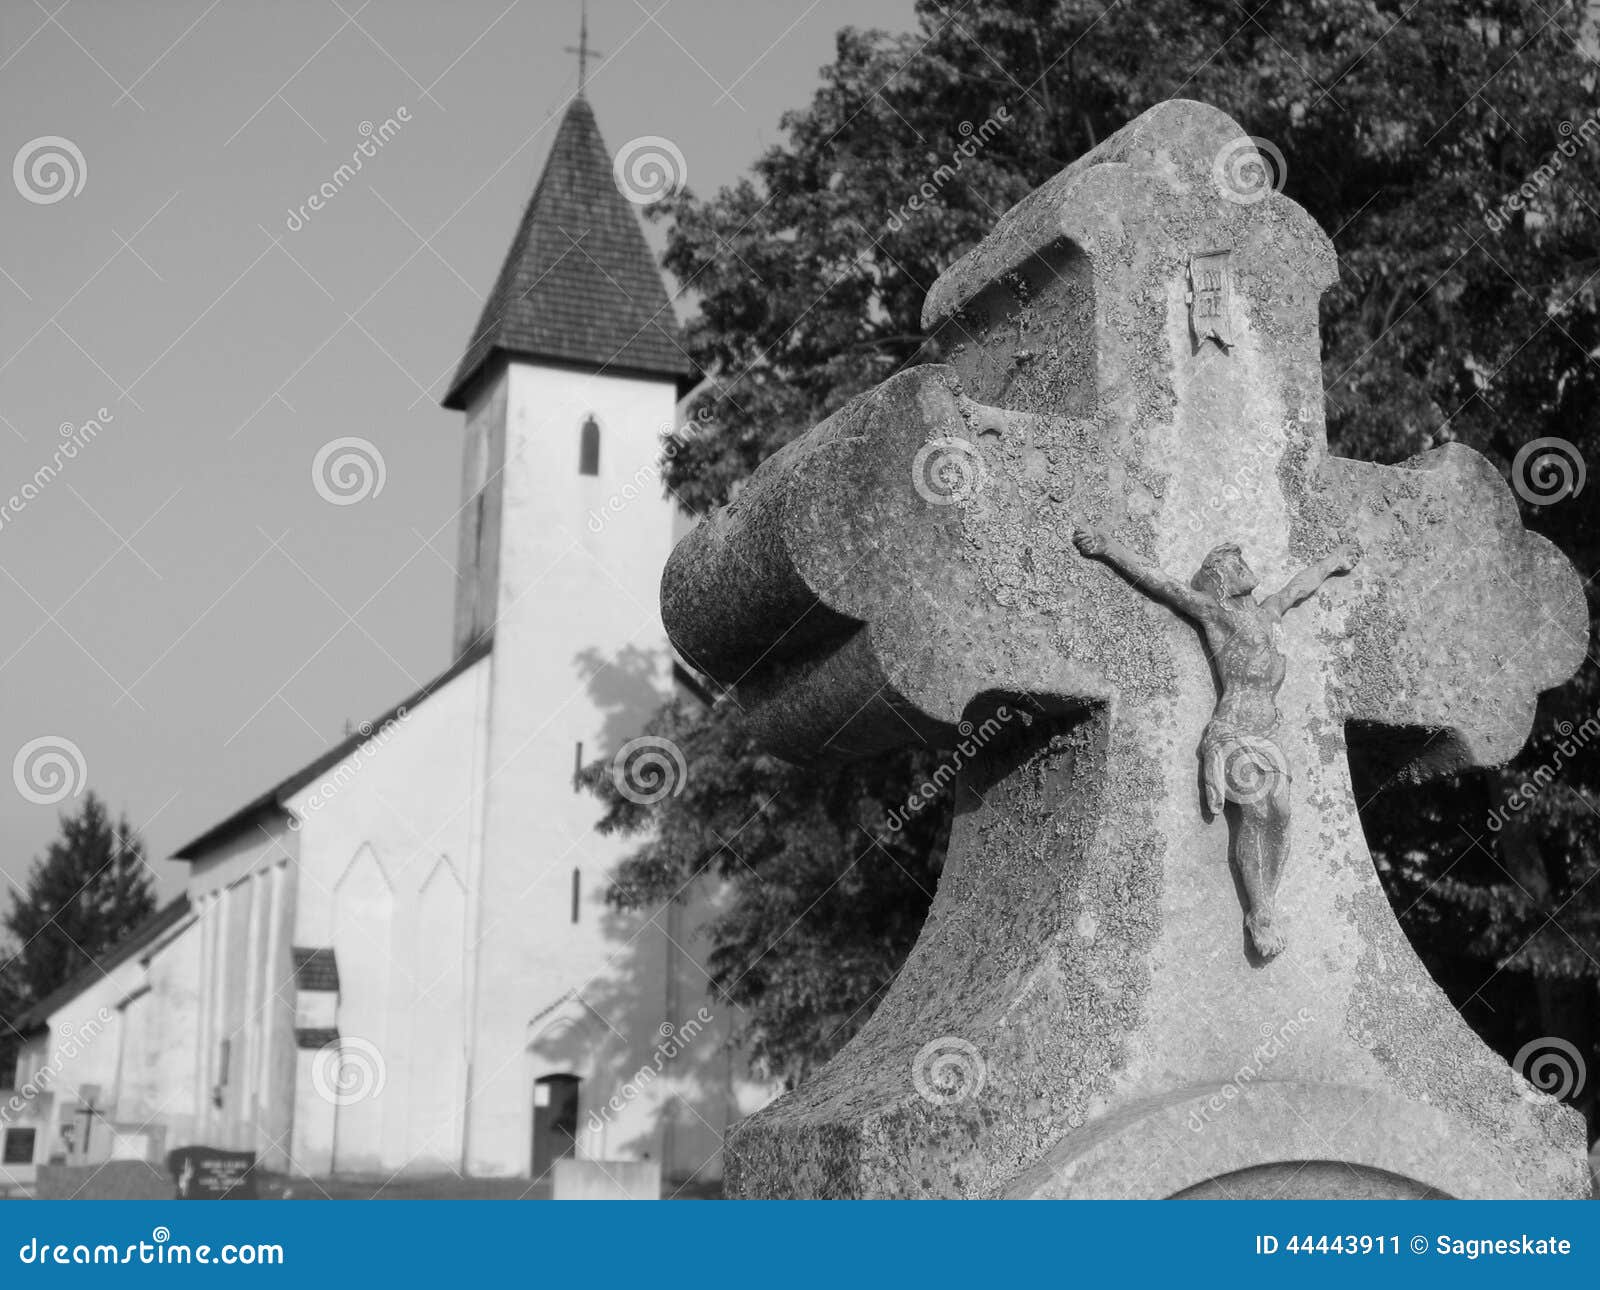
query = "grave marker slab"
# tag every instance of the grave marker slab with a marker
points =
(208, 1173)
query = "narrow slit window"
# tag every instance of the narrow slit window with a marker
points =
(589, 448)
(575, 895)
(480, 532)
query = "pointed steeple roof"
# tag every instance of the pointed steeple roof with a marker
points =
(579, 284)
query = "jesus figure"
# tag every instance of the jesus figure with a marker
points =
(1239, 760)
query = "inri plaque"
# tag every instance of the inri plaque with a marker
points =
(1211, 297)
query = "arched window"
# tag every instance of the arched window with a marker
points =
(589, 448)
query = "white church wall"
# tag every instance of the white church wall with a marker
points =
(26, 1090)
(624, 1043)
(663, 1078)
(386, 843)
(160, 1026)
(580, 659)
(243, 894)
(276, 1071)
(128, 1045)
(73, 1064)
(436, 1038)
(659, 1089)
(315, 1117)
(478, 537)
(711, 1085)
(373, 976)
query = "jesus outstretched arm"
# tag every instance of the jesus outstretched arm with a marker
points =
(1149, 579)
(1304, 584)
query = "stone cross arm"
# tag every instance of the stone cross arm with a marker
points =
(844, 594)
(1458, 618)
(838, 592)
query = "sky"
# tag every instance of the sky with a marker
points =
(184, 617)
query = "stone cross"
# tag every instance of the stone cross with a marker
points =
(1134, 350)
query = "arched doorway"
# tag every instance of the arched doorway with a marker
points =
(555, 1121)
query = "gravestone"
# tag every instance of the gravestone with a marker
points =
(574, 1179)
(1133, 355)
(208, 1173)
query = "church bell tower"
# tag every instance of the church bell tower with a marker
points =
(568, 384)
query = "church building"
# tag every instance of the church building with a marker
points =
(399, 959)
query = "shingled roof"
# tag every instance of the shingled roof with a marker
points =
(275, 799)
(579, 284)
(315, 968)
(169, 915)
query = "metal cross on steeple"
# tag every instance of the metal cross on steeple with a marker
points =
(582, 49)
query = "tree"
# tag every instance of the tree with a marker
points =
(89, 890)
(1450, 158)
(829, 898)
(13, 1001)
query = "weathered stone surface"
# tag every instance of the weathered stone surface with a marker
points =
(908, 566)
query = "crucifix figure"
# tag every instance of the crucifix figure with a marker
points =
(1240, 761)
(905, 573)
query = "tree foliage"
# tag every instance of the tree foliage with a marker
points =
(13, 1001)
(1456, 316)
(828, 895)
(90, 889)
